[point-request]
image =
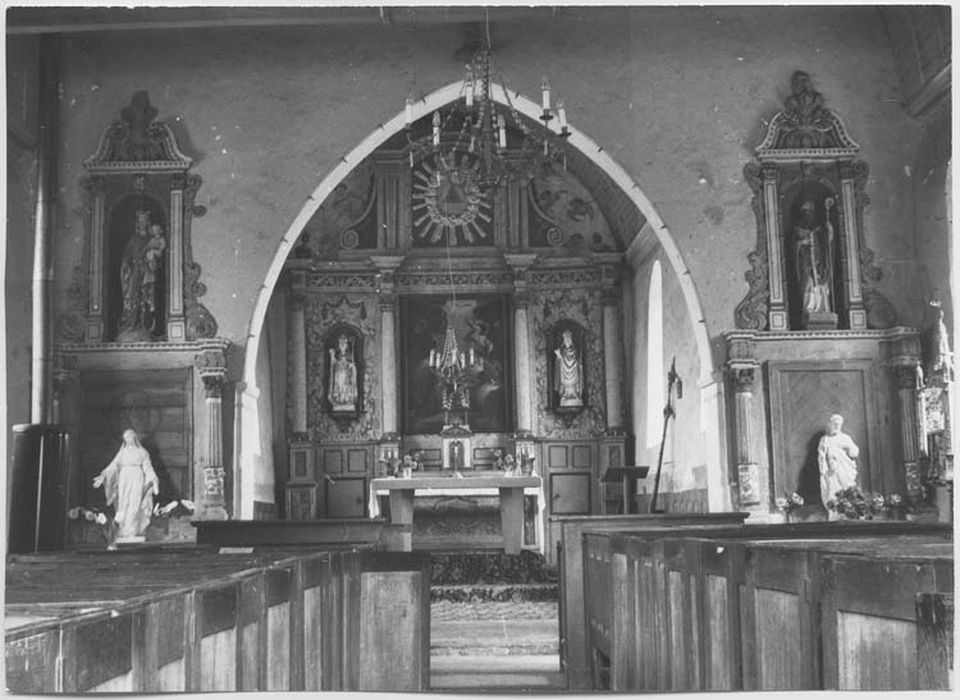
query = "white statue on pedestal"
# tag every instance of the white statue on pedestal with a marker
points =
(130, 483)
(836, 455)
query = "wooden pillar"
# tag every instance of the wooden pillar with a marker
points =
(778, 289)
(853, 288)
(908, 379)
(176, 315)
(748, 470)
(613, 370)
(95, 329)
(297, 339)
(521, 263)
(211, 367)
(387, 266)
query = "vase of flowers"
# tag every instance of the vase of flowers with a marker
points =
(852, 504)
(101, 518)
(789, 505)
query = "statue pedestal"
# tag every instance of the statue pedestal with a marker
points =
(819, 320)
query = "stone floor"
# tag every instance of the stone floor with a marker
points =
(495, 647)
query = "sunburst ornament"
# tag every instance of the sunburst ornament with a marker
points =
(449, 206)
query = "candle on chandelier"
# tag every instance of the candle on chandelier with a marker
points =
(562, 114)
(502, 129)
(472, 358)
(436, 128)
(470, 94)
(433, 358)
(546, 95)
(408, 111)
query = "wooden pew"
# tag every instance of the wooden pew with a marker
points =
(195, 621)
(331, 532)
(677, 604)
(573, 642)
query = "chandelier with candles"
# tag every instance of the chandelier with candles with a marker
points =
(468, 153)
(476, 127)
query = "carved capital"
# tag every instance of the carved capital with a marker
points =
(742, 376)
(387, 302)
(211, 365)
(212, 385)
(93, 184)
(770, 172)
(846, 170)
(610, 296)
(522, 299)
(908, 376)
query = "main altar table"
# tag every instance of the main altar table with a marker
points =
(511, 489)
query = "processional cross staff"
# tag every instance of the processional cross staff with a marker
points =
(672, 379)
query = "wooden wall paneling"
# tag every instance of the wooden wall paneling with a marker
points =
(802, 397)
(387, 612)
(779, 581)
(623, 621)
(31, 661)
(661, 619)
(571, 530)
(351, 614)
(934, 640)
(296, 642)
(218, 612)
(570, 493)
(158, 403)
(869, 625)
(278, 624)
(251, 622)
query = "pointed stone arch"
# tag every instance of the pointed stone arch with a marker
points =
(436, 100)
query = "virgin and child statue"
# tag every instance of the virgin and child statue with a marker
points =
(140, 267)
(342, 391)
(568, 372)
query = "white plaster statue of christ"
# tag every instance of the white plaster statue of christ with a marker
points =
(836, 455)
(568, 374)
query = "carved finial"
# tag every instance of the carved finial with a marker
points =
(805, 124)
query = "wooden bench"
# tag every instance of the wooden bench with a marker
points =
(574, 651)
(741, 609)
(195, 621)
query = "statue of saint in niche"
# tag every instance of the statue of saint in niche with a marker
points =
(836, 456)
(342, 392)
(568, 372)
(139, 270)
(814, 242)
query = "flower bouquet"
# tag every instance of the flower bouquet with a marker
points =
(852, 504)
(788, 504)
(104, 518)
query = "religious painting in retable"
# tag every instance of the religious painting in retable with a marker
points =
(480, 338)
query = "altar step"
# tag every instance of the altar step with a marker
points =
(496, 674)
(494, 646)
(496, 593)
